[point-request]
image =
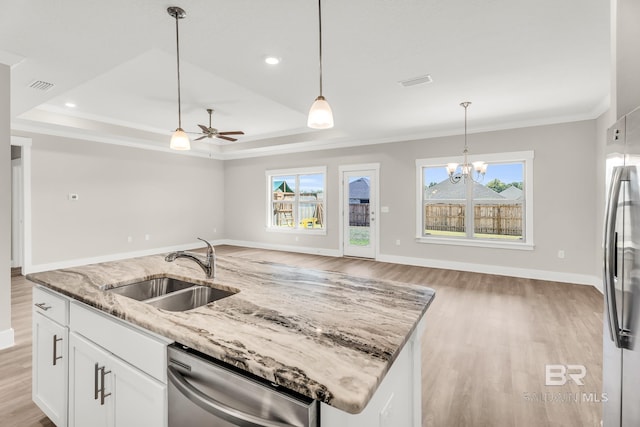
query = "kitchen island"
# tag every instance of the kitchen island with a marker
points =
(325, 335)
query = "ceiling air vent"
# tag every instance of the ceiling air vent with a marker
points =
(40, 85)
(416, 80)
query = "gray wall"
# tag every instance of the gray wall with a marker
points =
(564, 187)
(6, 337)
(627, 60)
(122, 192)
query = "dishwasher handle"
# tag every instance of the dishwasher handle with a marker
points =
(215, 407)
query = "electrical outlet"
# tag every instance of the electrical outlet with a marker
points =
(129, 239)
(561, 254)
(398, 242)
(147, 237)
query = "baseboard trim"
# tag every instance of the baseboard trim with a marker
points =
(525, 273)
(552, 276)
(283, 248)
(7, 338)
(116, 257)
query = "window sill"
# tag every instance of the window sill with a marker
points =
(305, 231)
(521, 246)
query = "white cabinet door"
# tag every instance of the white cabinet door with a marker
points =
(87, 407)
(105, 391)
(139, 399)
(50, 368)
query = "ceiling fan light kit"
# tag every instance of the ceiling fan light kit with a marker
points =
(210, 131)
(320, 114)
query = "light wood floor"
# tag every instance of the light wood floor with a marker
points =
(485, 347)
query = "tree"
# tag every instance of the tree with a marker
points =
(499, 186)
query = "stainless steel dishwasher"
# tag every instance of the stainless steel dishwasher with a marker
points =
(204, 393)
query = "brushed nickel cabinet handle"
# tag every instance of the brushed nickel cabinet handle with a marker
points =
(96, 388)
(103, 373)
(55, 347)
(43, 306)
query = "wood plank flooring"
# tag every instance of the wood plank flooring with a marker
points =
(485, 347)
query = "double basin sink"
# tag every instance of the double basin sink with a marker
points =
(171, 294)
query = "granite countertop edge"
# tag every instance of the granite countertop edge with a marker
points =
(326, 335)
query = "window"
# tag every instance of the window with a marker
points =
(495, 212)
(296, 200)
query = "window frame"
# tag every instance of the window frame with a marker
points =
(527, 243)
(297, 229)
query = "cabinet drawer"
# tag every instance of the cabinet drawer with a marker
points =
(145, 352)
(50, 304)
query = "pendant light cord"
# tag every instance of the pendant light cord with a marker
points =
(178, 62)
(320, 40)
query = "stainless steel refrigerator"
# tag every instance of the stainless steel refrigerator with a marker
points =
(621, 351)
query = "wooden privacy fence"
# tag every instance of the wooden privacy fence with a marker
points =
(501, 219)
(359, 215)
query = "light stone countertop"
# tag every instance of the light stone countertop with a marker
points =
(326, 335)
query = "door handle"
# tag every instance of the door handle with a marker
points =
(55, 347)
(610, 255)
(216, 407)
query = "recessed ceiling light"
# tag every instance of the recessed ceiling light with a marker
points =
(272, 60)
(70, 104)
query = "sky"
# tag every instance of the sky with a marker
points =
(505, 172)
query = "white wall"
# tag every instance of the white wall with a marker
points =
(564, 212)
(626, 34)
(6, 332)
(122, 192)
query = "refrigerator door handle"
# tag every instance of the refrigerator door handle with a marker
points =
(610, 254)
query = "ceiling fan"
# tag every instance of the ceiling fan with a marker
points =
(210, 132)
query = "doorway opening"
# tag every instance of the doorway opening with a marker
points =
(359, 202)
(20, 205)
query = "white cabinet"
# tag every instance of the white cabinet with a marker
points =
(398, 399)
(106, 391)
(93, 369)
(50, 355)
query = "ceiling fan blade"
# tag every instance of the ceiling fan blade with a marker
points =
(226, 137)
(235, 132)
(204, 128)
(202, 137)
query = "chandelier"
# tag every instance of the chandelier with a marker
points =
(475, 170)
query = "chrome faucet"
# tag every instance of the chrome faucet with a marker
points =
(208, 265)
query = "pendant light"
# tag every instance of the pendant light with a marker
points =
(466, 170)
(179, 139)
(320, 115)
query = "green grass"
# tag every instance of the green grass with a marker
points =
(359, 236)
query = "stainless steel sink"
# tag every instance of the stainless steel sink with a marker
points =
(171, 294)
(188, 299)
(152, 288)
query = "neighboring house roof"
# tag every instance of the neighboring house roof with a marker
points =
(512, 193)
(359, 189)
(282, 186)
(446, 190)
